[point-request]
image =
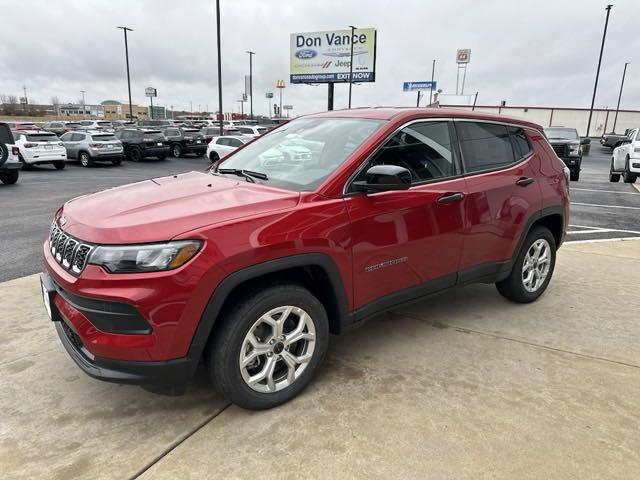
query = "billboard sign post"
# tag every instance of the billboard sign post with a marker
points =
(150, 92)
(324, 57)
(463, 57)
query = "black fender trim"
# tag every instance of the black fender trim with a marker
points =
(224, 288)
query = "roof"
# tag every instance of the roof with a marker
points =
(410, 113)
(111, 102)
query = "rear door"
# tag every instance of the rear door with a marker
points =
(501, 193)
(408, 242)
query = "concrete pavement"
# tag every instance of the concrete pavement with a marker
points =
(461, 385)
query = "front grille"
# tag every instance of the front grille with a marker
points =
(68, 252)
(561, 150)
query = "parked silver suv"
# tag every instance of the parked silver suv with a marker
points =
(90, 147)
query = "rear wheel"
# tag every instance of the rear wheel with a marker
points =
(59, 165)
(9, 178)
(176, 150)
(135, 155)
(214, 157)
(613, 177)
(627, 176)
(85, 159)
(532, 269)
(25, 165)
(268, 346)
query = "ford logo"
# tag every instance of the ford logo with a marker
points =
(306, 53)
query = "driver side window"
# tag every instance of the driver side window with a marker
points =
(423, 148)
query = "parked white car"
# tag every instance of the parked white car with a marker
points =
(220, 147)
(626, 159)
(39, 147)
(252, 130)
(96, 125)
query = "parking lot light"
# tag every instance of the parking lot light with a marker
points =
(353, 29)
(595, 86)
(624, 73)
(126, 52)
(251, 54)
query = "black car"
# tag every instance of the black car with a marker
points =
(185, 140)
(140, 143)
(567, 144)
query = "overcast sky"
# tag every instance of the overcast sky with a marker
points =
(535, 52)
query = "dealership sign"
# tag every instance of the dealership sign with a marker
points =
(418, 86)
(325, 57)
(150, 92)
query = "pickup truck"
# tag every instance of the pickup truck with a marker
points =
(613, 140)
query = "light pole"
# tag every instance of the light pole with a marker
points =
(126, 52)
(84, 108)
(241, 107)
(595, 86)
(433, 72)
(221, 116)
(251, 54)
(624, 73)
(351, 63)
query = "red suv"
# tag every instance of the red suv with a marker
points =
(306, 231)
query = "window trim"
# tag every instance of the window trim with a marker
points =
(457, 160)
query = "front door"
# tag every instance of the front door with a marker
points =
(407, 242)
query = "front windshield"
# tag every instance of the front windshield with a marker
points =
(303, 153)
(561, 133)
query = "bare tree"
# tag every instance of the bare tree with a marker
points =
(55, 101)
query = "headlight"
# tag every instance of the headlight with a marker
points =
(152, 257)
(574, 150)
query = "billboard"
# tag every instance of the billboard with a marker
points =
(324, 57)
(150, 92)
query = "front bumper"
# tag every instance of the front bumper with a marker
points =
(199, 148)
(634, 165)
(573, 163)
(163, 151)
(169, 372)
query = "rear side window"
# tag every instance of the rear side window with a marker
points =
(521, 145)
(484, 146)
(222, 141)
(103, 138)
(77, 137)
(42, 138)
(422, 148)
(234, 142)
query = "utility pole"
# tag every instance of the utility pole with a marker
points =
(418, 101)
(595, 86)
(126, 52)
(84, 103)
(241, 107)
(433, 72)
(351, 64)
(251, 54)
(624, 73)
(221, 117)
(26, 99)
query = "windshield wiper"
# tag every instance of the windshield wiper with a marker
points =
(248, 174)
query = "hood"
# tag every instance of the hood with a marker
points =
(563, 141)
(162, 208)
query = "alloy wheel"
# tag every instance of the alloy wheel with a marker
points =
(537, 263)
(277, 349)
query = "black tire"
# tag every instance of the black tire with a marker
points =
(613, 177)
(574, 175)
(85, 159)
(513, 287)
(25, 165)
(224, 349)
(10, 177)
(214, 157)
(135, 155)
(59, 165)
(116, 162)
(627, 176)
(176, 150)
(4, 153)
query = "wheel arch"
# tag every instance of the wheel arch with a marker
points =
(314, 271)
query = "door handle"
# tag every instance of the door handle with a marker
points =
(450, 198)
(524, 181)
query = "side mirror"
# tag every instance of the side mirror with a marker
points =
(585, 141)
(384, 178)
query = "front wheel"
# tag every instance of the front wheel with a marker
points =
(85, 160)
(613, 177)
(269, 346)
(532, 269)
(176, 150)
(574, 175)
(9, 178)
(59, 165)
(135, 155)
(627, 176)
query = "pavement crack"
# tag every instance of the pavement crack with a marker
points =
(179, 441)
(523, 342)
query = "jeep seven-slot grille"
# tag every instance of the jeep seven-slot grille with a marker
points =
(561, 150)
(68, 252)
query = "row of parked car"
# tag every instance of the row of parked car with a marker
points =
(91, 141)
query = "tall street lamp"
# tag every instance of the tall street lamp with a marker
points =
(126, 52)
(595, 86)
(84, 108)
(353, 29)
(624, 73)
(221, 116)
(251, 54)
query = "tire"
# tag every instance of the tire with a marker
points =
(25, 165)
(9, 178)
(627, 176)
(135, 155)
(59, 165)
(214, 157)
(4, 153)
(229, 340)
(574, 175)
(116, 162)
(176, 150)
(514, 287)
(613, 177)
(85, 160)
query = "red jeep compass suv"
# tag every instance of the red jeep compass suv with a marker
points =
(303, 232)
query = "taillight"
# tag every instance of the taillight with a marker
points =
(95, 145)
(60, 143)
(30, 145)
(15, 150)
